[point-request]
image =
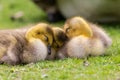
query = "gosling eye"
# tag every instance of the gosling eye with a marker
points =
(46, 38)
(68, 29)
(38, 33)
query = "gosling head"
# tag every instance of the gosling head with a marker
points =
(43, 32)
(59, 37)
(77, 26)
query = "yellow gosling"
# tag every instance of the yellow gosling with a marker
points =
(38, 37)
(85, 39)
(26, 46)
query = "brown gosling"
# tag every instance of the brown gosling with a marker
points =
(60, 38)
(25, 46)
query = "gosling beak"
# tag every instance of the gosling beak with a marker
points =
(49, 49)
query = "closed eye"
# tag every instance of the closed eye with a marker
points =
(38, 33)
(46, 38)
(68, 29)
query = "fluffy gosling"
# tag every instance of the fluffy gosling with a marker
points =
(85, 39)
(60, 38)
(25, 46)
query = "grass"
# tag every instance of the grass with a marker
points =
(99, 68)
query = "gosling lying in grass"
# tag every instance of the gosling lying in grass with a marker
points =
(85, 39)
(25, 46)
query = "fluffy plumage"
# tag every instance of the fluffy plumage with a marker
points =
(85, 39)
(25, 46)
(60, 38)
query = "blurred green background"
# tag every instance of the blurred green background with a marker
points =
(32, 14)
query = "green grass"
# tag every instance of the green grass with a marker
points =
(99, 68)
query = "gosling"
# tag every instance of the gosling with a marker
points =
(27, 46)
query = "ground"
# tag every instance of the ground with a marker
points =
(97, 68)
